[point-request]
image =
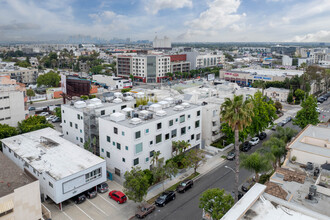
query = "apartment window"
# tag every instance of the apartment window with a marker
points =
(115, 130)
(137, 134)
(147, 131)
(188, 116)
(70, 124)
(117, 171)
(197, 124)
(103, 112)
(173, 133)
(214, 113)
(135, 161)
(113, 143)
(158, 138)
(102, 150)
(64, 121)
(81, 140)
(198, 136)
(138, 148)
(167, 136)
(170, 123)
(159, 126)
(108, 154)
(78, 116)
(123, 133)
(126, 147)
(62, 111)
(151, 143)
(198, 113)
(192, 137)
(176, 120)
(151, 154)
(123, 159)
(80, 131)
(182, 118)
(118, 146)
(183, 131)
(50, 184)
(93, 175)
(77, 138)
(67, 133)
(76, 126)
(108, 139)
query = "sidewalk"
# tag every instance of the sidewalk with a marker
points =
(206, 167)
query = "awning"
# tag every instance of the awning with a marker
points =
(6, 206)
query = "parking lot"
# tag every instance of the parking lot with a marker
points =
(100, 207)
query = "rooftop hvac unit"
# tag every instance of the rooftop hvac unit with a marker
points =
(117, 100)
(150, 115)
(312, 190)
(161, 113)
(178, 108)
(117, 116)
(135, 115)
(185, 105)
(135, 121)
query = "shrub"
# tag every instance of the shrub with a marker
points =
(125, 90)
(294, 158)
(149, 176)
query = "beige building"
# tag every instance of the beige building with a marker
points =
(277, 94)
(21, 75)
(19, 193)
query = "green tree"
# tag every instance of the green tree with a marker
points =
(255, 162)
(125, 90)
(178, 147)
(285, 134)
(290, 97)
(278, 106)
(259, 84)
(238, 114)
(136, 184)
(300, 94)
(96, 69)
(50, 79)
(30, 92)
(7, 131)
(58, 112)
(276, 146)
(23, 64)
(33, 123)
(216, 202)
(308, 114)
(196, 157)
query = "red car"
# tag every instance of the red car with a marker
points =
(118, 196)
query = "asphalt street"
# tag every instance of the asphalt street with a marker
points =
(325, 111)
(186, 205)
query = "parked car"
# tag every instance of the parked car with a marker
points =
(165, 198)
(231, 155)
(145, 210)
(79, 198)
(254, 141)
(56, 119)
(320, 99)
(118, 196)
(288, 119)
(50, 118)
(262, 135)
(281, 124)
(184, 185)
(318, 110)
(240, 195)
(102, 188)
(91, 193)
(245, 147)
(43, 114)
(274, 127)
(32, 108)
(246, 186)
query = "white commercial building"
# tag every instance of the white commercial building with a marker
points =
(80, 119)
(63, 169)
(286, 60)
(12, 103)
(198, 60)
(113, 82)
(131, 137)
(164, 43)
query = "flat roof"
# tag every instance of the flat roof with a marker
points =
(316, 132)
(268, 72)
(169, 112)
(11, 176)
(46, 151)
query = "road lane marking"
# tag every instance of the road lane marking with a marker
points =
(98, 208)
(84, 212)
(67, 215)
(109, 202)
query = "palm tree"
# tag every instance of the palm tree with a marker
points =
(276, 147)
(155, 158)
(238, 114)
(285, 134)
(255, 162)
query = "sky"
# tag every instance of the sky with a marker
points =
(181, 20)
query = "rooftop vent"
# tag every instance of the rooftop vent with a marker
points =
(164, 104)
(117, 116)
(80, 104)
(155, 107)
(118, 94)
(185, 105)
(117, 100)
(135, 121)
(129, 98)
(161, 113)
(178, 108)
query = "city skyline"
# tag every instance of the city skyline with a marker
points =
(182, 21)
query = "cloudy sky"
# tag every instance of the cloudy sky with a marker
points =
(181, 20)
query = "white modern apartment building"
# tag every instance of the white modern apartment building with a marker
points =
(131, 137)
(62, 168)
(12, 102)
(198, 60)
(80, 119)
(164, 44)
(150, 68)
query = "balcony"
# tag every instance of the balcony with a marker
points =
(215, 137)
(215, 128)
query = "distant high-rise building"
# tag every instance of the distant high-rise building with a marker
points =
(162, 44)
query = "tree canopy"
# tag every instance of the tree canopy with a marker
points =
(7, 131)
(216, 202)
(136, 184)
(50, 79)
(308, 114)
(30, 92)
(255, 162)
(33, 123)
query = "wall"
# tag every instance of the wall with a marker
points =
(16, 104)
(304, 157)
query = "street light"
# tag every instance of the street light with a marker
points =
(235, 190)
(230, 168)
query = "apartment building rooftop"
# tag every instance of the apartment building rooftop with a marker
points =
(11, 176)
(269, 72)
(145, 114)
(46, 151)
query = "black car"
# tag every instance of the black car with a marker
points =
(246, 186)
(262, 135)
(246, 146)
(165, 198)
(91, 193)
(79, 198)
(183, 186)
(240, 195)
(102, 188)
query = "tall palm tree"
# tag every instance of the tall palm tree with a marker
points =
(238, 114)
